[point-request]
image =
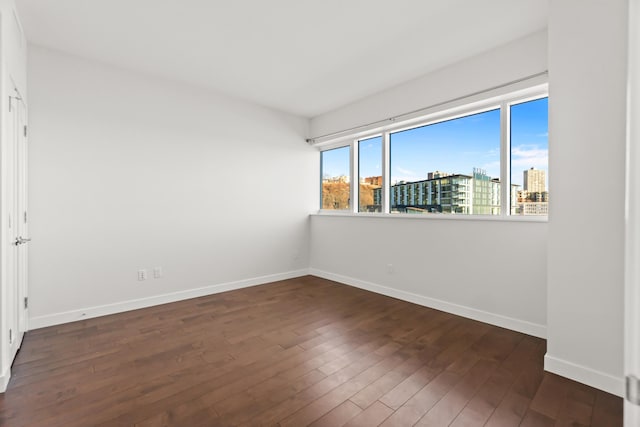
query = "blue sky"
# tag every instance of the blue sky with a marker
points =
(529, 138)
(455, 146)
(335, 162)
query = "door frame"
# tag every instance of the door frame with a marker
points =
(16, 174)
(632, 214)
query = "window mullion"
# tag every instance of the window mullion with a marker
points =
(353, 179)
(386, 185)
(321, 180)
(505, 161)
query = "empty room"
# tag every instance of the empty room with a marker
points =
(336, 213)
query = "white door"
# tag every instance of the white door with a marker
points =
(17, 301)
(632, 224)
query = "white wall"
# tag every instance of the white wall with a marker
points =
(494, 271)
(587, 78)
(496, 67)
(487, 270)
(130, 172)
(14, 46)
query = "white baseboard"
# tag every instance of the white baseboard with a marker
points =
(518, 325)
(4, 379)
(584, 375)
(119, 307)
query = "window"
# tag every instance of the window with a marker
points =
(448, 167)
(370, 175)
(487, 158)
(530, 157)
(335, 170)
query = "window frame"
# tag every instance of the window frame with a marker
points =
(442, 114)
(357, 171)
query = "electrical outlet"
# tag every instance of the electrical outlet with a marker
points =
(142, 274)
(157, 272)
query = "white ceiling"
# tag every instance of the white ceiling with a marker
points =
(300, 56)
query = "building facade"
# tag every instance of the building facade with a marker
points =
(534, 198)
(447, 193)
(534, 180)
(475, 194)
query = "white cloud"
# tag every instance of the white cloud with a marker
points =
(529, 156)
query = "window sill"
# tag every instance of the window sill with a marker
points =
(434, 217)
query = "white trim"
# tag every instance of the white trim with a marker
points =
(632, 214)
(584, 375)
(505, 160)
(119, 307)
(386, 174)
(460, 310)
(354, 179)
(434, 217)
(4, 379)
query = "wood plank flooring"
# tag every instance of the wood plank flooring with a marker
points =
(299, 352)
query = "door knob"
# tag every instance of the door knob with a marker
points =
(21, 240)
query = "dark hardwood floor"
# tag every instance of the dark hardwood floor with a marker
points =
(299, 352)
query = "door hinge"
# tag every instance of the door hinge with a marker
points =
(10, 336)
(25, 217)
(25, 131)
(26, 303)
(10, 103)
(633, 390)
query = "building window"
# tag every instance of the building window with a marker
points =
(486, 158)
(335, 170)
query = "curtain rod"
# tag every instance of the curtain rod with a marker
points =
(393, 119)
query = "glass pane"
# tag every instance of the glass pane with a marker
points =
(370, 179)
(451, 167)
(336, 192)
(530, 158)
